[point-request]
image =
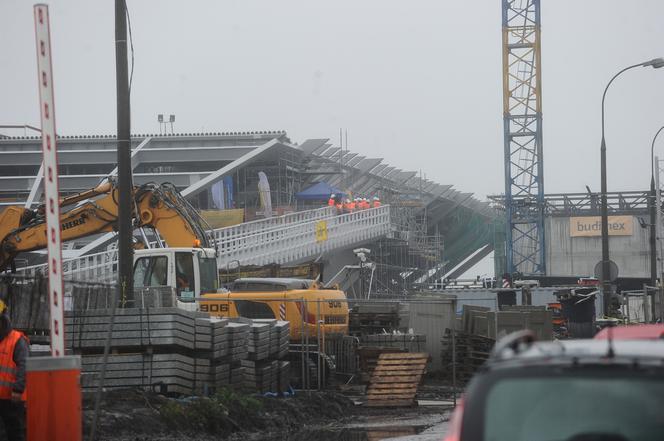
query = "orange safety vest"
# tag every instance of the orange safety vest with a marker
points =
(8, 368)
(330, 202)
(376, 204)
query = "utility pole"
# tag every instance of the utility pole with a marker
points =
(125, 184)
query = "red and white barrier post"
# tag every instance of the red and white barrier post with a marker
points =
(53, 383)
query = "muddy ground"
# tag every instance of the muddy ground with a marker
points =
(135, 415)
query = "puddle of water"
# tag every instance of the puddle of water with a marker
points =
(355, 434)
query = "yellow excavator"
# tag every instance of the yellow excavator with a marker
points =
(189, 258)
(160, 207)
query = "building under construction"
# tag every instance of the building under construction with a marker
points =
(436, 231)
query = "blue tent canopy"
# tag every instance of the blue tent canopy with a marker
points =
(320, 191)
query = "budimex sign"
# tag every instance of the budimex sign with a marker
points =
(590, 226)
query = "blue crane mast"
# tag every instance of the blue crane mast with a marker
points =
(522, 117)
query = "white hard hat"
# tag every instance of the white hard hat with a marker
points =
(333, 195)
(375, 198)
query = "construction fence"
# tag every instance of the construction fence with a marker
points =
(158, 344)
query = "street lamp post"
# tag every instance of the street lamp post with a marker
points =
(606, 282)
(653, 213)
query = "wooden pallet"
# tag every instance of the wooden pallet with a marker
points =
(395, 379)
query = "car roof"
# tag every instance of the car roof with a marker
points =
(287, 283)
(582, 351)
(632, 332)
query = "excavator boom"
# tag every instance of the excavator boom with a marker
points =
(157, 206)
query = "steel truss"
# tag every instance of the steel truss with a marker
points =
(586, 204)
(522, 117)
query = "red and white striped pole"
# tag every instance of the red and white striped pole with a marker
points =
(52, 383)
(51, 190)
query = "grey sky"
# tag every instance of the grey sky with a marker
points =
(416, 82)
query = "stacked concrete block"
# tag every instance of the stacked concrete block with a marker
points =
(257, 375)
(222, 374)
(167, 373)
(237, 376)
(259, 340)
(176, 351)
(261, 376)
(238, 335)
(282, 330)
(133, 327)
(268, 342)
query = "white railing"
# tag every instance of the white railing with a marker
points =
(301, 241)
(283, 239)
(277, 222)
(100, 267)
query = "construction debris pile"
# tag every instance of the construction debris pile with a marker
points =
(374, 318)
(469, 345)
(463, 353)
(170, 350)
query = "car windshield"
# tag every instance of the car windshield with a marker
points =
(572, 408)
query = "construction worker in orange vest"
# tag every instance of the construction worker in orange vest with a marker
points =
(13, 354)
(349, 206)
(376, 202)
(364, 204)
(331, 201)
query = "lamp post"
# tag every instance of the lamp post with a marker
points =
(653, 213)
(656, 63)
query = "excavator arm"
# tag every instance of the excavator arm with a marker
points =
(96, 211)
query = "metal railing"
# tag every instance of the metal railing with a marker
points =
(271, 223)
(305, 239)
(283, 239)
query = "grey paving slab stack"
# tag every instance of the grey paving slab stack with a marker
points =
(283, 338)
(273, 343)
(236, 376)
(268, 342)
(177, 351)
(238, 334)
(259, 340)
(258, 375)
(172, 373)
(133, 328)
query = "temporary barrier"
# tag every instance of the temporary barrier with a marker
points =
(54, 398)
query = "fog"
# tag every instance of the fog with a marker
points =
(418, 83)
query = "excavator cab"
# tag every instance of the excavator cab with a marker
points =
(191, 271)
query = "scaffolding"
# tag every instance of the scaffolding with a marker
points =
(284, 173)
(413, 251)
